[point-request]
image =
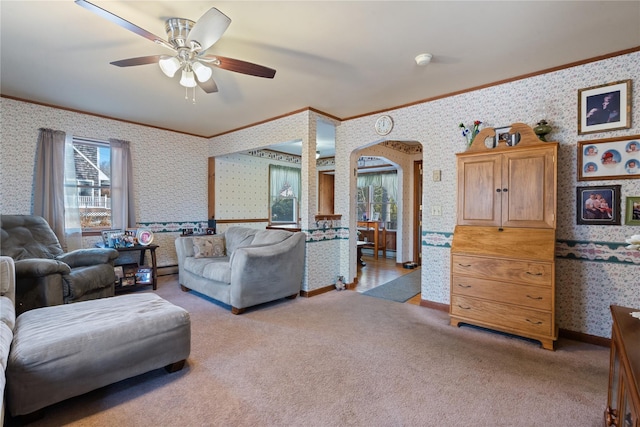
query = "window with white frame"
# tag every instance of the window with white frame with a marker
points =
(284, 194)
(91, 189)
(377, 197)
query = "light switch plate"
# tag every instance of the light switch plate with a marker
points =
(437, 174)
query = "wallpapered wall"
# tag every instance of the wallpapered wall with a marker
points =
(586, 284)
(171, 180)
(170, 169)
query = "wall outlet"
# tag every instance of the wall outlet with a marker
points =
(437, 175)
(436, 210)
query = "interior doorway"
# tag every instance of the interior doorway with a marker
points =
(405, 224)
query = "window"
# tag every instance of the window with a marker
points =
(284, 192)
(91, 189)
(377, 195)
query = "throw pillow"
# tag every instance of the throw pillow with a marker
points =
(208, 247)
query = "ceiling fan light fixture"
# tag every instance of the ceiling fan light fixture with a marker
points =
(187, 79)
(169, 65)
(203, 73)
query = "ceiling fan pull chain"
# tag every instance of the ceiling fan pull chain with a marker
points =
(186, 93)
(194, 94)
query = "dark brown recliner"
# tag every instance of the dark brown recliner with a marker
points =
(45, 274)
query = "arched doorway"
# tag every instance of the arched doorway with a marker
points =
(396, 209)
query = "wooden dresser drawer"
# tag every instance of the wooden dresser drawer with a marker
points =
(504, 316)
(538, 297)
(528, 272)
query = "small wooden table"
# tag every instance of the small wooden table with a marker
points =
(143, 250)
(376, 226)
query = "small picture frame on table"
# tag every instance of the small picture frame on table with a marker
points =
(632, 216)
(604, 107)
(598, 205)
(609, 158)
(503, 135)
(110, 237)
(143, 275)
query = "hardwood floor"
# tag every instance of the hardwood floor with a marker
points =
(380, 271)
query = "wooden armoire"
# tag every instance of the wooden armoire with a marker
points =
(503, 249)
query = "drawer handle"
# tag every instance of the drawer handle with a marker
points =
(534, 323)
(534, 274)
(537, 298)
(464, 308)
(464, 286)
(464, 265)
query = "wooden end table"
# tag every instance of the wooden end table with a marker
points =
(143, 251)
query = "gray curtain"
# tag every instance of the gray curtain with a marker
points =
(123, 213)
(48, 177)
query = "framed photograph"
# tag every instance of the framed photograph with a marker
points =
(376, 216)
(110, 237)
(143, 275)
(604, 107)
(503, 135)
(610, 158)
(633, 211)
(598, 205)
(128, 281)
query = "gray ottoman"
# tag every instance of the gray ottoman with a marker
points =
(66, 350)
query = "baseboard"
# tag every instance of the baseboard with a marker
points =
(586, 338)
(313, 293)
(167, 270)
(434, 305)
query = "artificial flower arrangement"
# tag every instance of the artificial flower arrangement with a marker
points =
(470, 132)
(634, 242)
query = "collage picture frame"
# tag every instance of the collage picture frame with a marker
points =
(609, 158)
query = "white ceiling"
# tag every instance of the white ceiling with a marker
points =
(345, 58)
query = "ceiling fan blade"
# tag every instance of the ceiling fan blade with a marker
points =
(123, 23)
(208, 86)
(239, 66)
(142, 60)
(209, 28)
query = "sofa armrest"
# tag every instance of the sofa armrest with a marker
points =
(40, 267)
(89, 256)
(184, 248)
(8, 278)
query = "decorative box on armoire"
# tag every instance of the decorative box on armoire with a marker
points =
(503, 249)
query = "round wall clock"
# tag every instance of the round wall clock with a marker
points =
(383, 125)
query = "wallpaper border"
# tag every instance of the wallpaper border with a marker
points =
(610, 252)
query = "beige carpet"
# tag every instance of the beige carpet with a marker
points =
(344, 359)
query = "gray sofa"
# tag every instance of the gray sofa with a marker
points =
(7, 320)
(248, 266)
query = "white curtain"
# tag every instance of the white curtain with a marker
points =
(388, 181)
(281, 176)
(72, 224)
(49, 192)
(122, 201)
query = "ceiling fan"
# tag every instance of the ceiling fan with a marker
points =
(189, 41)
